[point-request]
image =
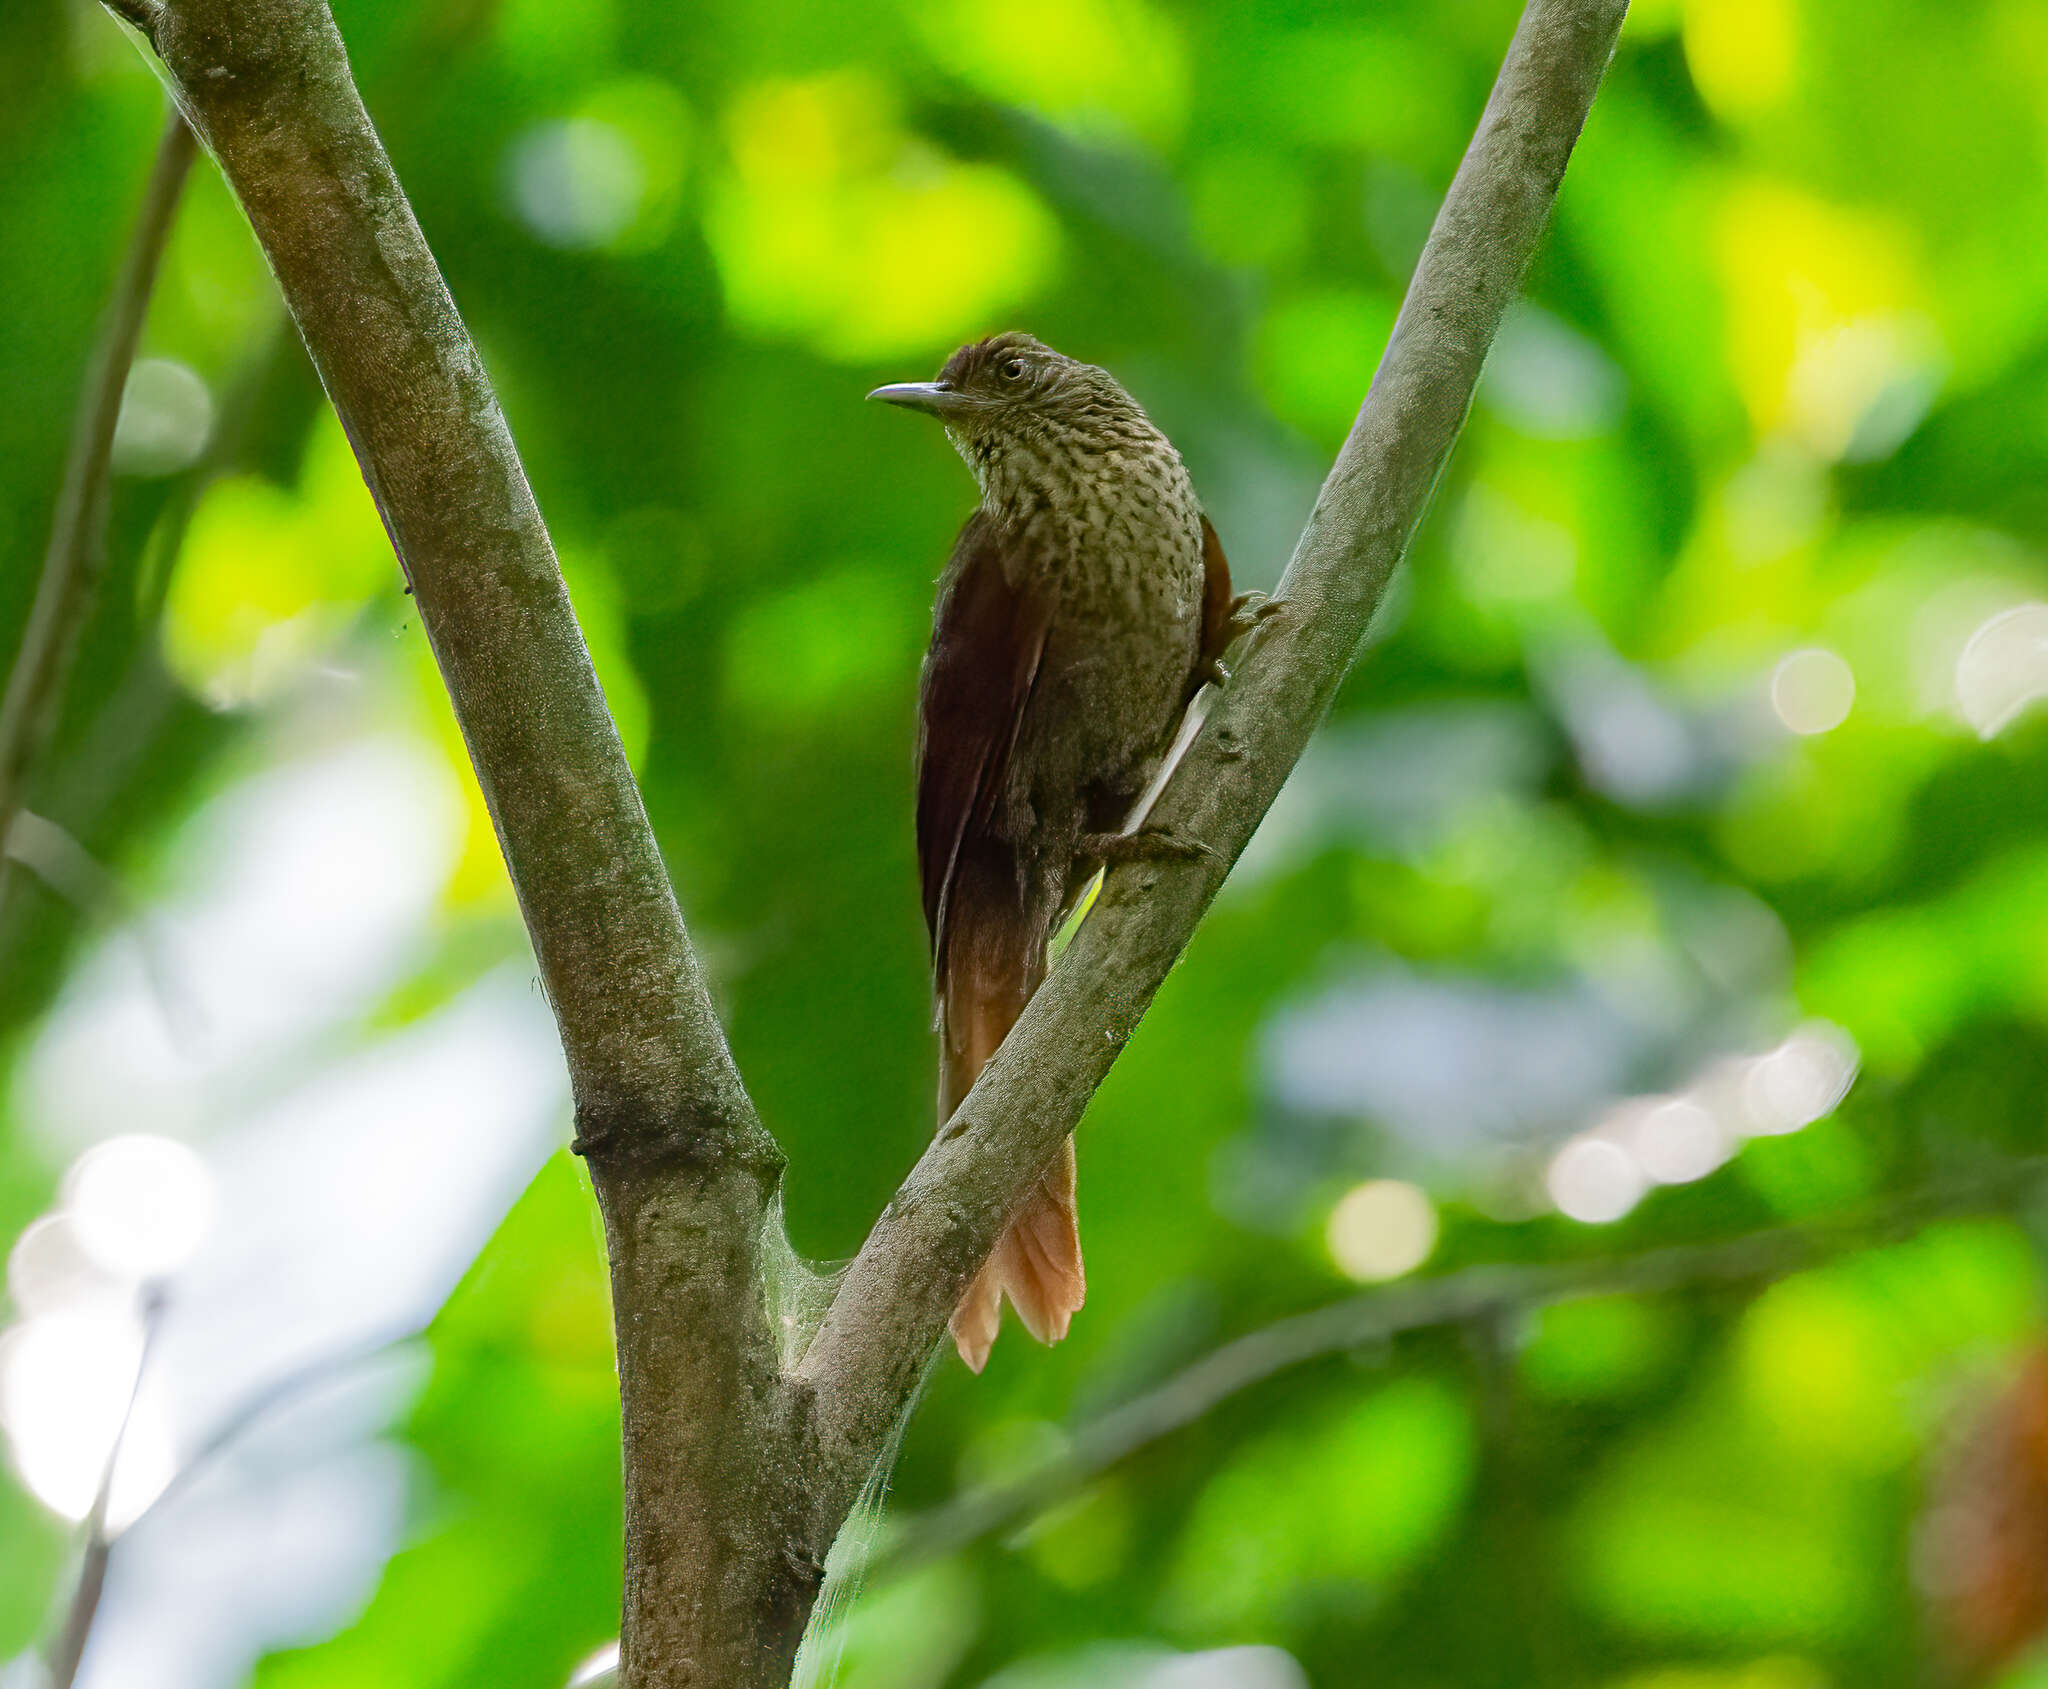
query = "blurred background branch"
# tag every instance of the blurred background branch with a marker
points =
(67, 1648)
(1476, 1295)
(75, 557)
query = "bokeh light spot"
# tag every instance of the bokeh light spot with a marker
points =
(140, 1204)
(270, 579)
(576, 184)
(1316, 358)
(1801, 1080)
(837, 228)
(833, 644)
(1595, 1181)
(1742, 53)
(1115, 65)
(2003, 668)
(165, 421)
(1381, 1229)
(1830, 337)
(65, 1385)
(1812, 690)
(49, 1271)
(1678, 1141)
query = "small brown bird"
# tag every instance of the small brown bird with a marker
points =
(1085, 602)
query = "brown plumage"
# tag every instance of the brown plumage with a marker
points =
(1084, 603)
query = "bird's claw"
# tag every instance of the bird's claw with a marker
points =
(1147, 844)
(1248, 610)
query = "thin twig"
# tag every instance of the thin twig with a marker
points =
(73, 563)
(1479, 1293)
(68, 1650)
(265, 1400)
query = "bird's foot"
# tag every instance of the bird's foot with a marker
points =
(1147, 844)
(1247, 611)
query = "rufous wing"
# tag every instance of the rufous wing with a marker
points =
(988, 948)
(988, 635)
(1219, 625)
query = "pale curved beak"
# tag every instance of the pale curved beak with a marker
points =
(932, 397)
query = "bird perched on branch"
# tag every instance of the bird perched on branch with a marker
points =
(1084, 604)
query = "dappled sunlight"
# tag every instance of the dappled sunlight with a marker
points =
(1102, 65)
(836, 227)
(1829, 338)
(1743, 54)
(271, 580)
(608, 178)
(1539, 1144)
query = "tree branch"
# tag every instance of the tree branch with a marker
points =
(720, 1563)
(266, 84)
(946, 1216)
(76, 555)
(1477, 1294)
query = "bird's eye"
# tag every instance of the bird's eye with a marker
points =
(1014, 370)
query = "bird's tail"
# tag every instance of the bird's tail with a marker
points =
(1037, 1261)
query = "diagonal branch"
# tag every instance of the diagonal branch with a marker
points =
(77, 551)
(267, 85)
(1476, 1294)
(945, 1218)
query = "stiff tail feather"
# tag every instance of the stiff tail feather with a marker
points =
(1037, 1264)
(1037, 1261)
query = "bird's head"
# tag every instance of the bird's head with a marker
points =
(1012, 388)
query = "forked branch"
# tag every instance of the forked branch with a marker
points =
(737, 1475)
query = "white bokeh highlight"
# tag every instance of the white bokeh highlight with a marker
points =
(1381, 1229)
(1812, 691)
(1594, 1180)
(139, 1205)
(290, 1184)
(1600, 1174)
(294, 901)
(165, 420)
(2003, 668)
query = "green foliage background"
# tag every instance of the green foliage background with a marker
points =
(1779, 387)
